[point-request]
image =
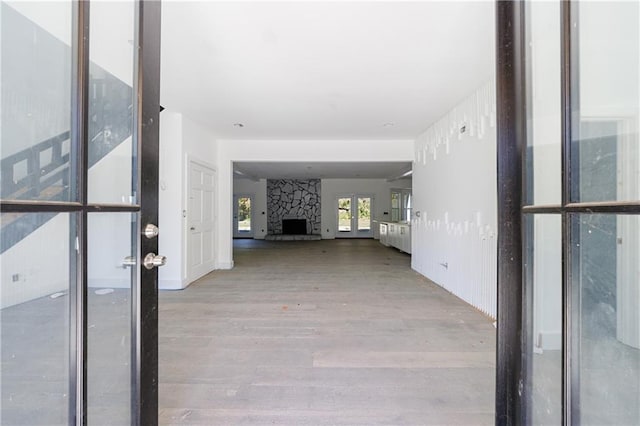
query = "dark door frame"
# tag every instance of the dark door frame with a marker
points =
(511, 134)
(515, 206)
(144, 327)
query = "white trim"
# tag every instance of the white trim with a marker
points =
(225, 265)
(191, 158)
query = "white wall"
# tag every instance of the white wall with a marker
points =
(259, 203)
(455, 201)
(380, 189)
(170, 215)
(181, 140)
(295, 151)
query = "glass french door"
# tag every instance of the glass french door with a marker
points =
(242, 216)
(79, 209)
(569, 191)
(354, 216)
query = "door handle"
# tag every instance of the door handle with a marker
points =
(153, 260)
(150, 261)
(193, 228)
(129, 261)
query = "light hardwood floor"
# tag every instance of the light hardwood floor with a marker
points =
(333, 332)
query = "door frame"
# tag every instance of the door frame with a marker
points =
(354, 233)
(147, 131)
(145, 147)
(236, 232)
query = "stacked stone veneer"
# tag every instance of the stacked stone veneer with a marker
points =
(293, 199)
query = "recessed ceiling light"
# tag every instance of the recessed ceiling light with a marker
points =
(389, 124)
(238, 125)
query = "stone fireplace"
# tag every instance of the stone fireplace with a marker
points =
(293, 206)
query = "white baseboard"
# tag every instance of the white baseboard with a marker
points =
(225, 265)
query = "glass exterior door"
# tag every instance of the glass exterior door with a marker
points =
(78, 194)
(570, 288)
(363, 224)
(354, 214)
(242, 217)
(345, 216)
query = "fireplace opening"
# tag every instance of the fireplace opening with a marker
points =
(294, 226)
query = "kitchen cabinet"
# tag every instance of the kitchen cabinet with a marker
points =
(396, 235)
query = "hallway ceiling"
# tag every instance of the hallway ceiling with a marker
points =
(345, 170)
(323, 70)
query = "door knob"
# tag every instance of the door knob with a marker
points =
(151, 231)
(193, 228)
(153, 260)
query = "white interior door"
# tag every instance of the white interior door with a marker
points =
(354, 215)
(243, 216)
(200, 220)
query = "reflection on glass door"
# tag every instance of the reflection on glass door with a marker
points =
(35, 316)
(581, 216)
(111, 262)
(358, 223)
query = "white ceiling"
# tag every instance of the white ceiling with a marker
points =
(344, 170)
(323, 70)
